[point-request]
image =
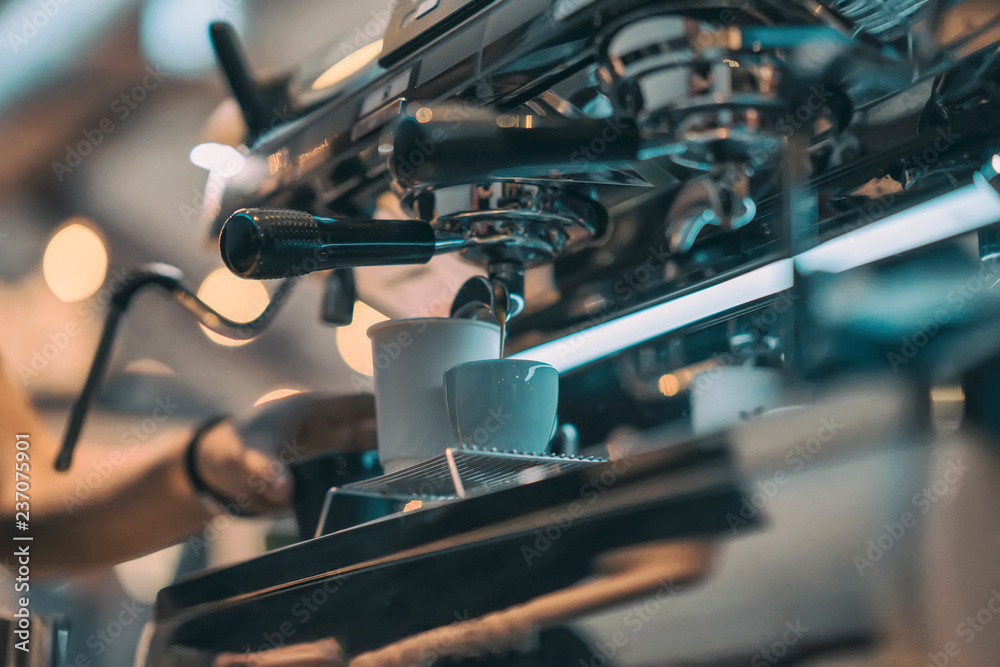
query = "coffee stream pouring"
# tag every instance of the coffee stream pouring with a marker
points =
(501, 310)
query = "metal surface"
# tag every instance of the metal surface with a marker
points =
(530, 223)
(387, 575)
(462, 472)
(717, 200)
(678, 78)
(33, 642)
(885, 19)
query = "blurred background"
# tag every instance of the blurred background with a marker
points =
(102, 106)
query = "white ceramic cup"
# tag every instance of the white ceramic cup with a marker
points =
(410, 358)
(509, 404)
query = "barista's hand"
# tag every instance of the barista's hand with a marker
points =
(246, 460)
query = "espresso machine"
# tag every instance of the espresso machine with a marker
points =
(758, 241)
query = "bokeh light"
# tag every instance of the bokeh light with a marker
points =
(217, 157)
(670, 385)
(349, 65)
(146, 366)
(352, 341)
(275, 394)
(235, 298)
(75, 262)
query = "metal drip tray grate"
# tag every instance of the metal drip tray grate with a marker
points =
(465, 471)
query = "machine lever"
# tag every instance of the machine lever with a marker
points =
(249, 94)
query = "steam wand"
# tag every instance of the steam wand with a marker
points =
(169, 278)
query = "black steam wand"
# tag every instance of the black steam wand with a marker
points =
(168, 278)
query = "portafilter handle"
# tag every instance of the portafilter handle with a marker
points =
(276, 243)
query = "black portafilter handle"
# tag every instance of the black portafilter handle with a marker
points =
(449, 145)
(261, 243)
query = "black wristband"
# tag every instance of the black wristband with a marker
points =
(191, 458)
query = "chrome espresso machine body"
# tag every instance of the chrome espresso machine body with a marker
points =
(721, 199)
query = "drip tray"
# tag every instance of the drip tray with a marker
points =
(462, 472)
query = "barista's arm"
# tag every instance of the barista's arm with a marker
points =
(83, 518)
(142, 501)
